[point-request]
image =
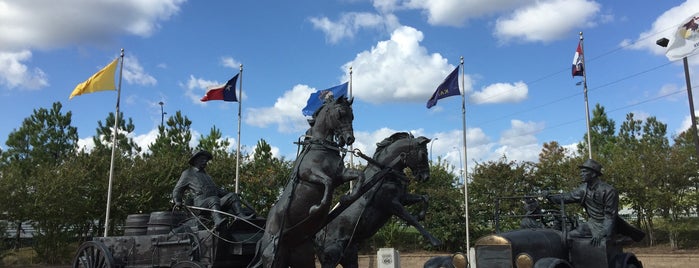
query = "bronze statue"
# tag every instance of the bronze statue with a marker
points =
(305, 202)
(206, 193)
(532, 215)
(601, 202)
(338, 241)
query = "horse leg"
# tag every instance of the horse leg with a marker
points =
(329, 253)
(411, 199)
(349, 175)
(399, 210)
(317, 176)
(302, 256)
(351, 256)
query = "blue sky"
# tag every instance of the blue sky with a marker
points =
(517, 61)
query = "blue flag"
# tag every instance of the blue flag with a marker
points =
(450, 87)
(315, 101)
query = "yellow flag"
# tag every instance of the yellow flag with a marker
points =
(102, 80)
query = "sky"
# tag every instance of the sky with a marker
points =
(517, 58)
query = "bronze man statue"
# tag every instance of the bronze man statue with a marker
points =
(206, 193)
(600, 200)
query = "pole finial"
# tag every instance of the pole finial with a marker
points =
(581, 35)
(241, 66)
(462, 60)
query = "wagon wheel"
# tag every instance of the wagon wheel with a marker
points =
(188, 264)
(92, 254)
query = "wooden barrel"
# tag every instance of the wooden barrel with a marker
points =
(162, 222)
(136, 224)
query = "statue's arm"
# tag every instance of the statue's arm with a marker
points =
(180, 187)
(569, 197)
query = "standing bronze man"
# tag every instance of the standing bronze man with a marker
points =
(206, 193)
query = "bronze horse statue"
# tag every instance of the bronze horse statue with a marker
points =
(338, 241)
(304, 204)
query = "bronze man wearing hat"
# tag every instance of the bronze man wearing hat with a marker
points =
(206, 193)
(600, 200)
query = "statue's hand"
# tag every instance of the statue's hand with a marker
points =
(178, 205)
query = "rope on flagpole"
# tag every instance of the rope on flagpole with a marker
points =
(114, 145)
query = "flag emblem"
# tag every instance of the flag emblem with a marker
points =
(449, 87)
(578, 61)
(686, 39)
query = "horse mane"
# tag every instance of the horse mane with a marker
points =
(381, 146)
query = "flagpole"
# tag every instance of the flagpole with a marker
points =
(351, 184)
(114, 145)
(587, 107)
(237, 152)
(463, 172)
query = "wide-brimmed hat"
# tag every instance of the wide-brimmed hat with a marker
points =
(200, 153)
(592, 165)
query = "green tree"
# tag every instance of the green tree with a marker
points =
(104, 136)
(555, 168)
(601, 134)
(214, 143)
(639, 167)
(159, 170)
(445, 217)
(99, 165)
(496, 179)
(36, 152)
(263, 178)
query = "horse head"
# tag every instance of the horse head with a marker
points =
(411, 151)
(334, 122)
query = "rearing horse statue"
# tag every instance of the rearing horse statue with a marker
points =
(338, 241)
(305, 202)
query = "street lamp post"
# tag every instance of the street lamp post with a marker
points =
(162, 113)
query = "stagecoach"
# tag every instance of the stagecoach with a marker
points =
(174, 239)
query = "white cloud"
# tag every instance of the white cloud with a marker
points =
(69, 22)
(548, 20)
(501, 93)
(456, 12)
(686, 123)
(86, 143)
(33, 24)
(195, 88)
(399, 69)
(519, 142)
(14, 73)
(230, 62)
(664, 27)
(286, 112)
(134, 73)
(350, 23)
